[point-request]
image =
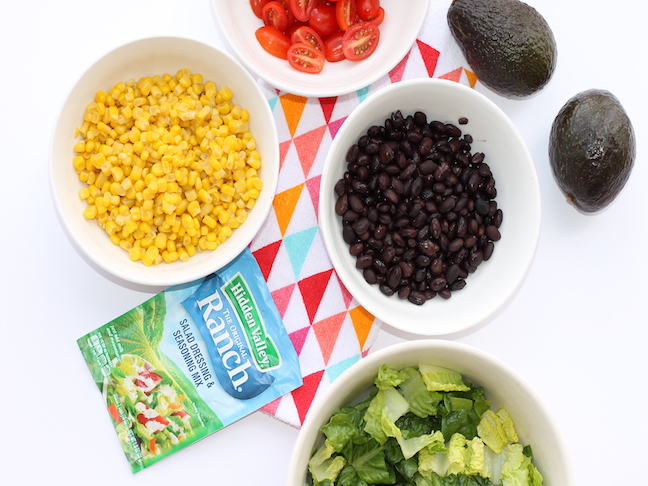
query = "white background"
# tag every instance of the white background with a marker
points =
(576, 330)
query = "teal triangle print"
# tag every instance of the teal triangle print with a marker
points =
(337, 369)
(297, 245)
(362, 93)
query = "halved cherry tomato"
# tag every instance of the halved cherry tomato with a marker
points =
(367, 9)
(257, 6)
(274, 15)
(333, 47)
(307, 36)
(293, 27)
(345, 11)
(306, 58)
(273, 41)
(380, 16)
(323, 20)
(301, 9)
(360, 41)
(289, 13)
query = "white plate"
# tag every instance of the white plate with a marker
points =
(518, 195)
(398, 33)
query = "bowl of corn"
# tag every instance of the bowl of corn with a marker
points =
(164, 161)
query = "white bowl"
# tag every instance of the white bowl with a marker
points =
(502, 385)
(149, 57)
(518, 195)
(398, 33)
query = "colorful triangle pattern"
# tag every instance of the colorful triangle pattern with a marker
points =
(328, 328)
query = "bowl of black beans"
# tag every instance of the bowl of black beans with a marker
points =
(430, 206)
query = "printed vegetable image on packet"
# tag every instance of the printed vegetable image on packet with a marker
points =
(191, 360)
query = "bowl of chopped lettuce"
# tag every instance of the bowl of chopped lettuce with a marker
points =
(429, 413)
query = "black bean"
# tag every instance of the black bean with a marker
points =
(492, 232)
(404, 291)
(364, 261)
(386, 290)
(356, 249)
(369, 276)
(394, 276)
(417, 298)
(418, 209)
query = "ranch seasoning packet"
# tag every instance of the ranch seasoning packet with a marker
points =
(191, 360)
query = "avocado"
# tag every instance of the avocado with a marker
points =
(592, 149)
(507, 43)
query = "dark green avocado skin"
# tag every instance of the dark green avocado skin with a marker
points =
(507, 43)
(592, 149)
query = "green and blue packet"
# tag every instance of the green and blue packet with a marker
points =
(192, 360)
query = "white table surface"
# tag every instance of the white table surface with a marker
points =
(577, 330)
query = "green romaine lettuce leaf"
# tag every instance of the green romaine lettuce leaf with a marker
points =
(366, 462)
(389, 377)
(386, 407)
(437, 378)
(423, 402)
(323, 466)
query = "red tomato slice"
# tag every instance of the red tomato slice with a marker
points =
(367, 9)
(323, 20)
(333, 47)
(301, 9)
(306, 58)
(274, 15)
(345, 11)
(308, 36)
(257, 7)
(273, 41)
(360, 41)
(380, 16)
(289, 13)
(293, 27)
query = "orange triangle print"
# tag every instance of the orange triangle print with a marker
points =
(362, 322)
(307, 146)
(284, 205)
(293, 107)
(327, 332)
(472, 78)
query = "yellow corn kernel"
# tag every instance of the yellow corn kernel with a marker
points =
(161, 241)
(135, 253)
(90, 212)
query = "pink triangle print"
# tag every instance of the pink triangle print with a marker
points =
(307, 146)
(335, 126)
(327, 332)
(298, 338)
(453, 75)
(282, 298)
(396, 74)
(313, 186)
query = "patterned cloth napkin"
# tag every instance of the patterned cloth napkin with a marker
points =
(328, 328)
